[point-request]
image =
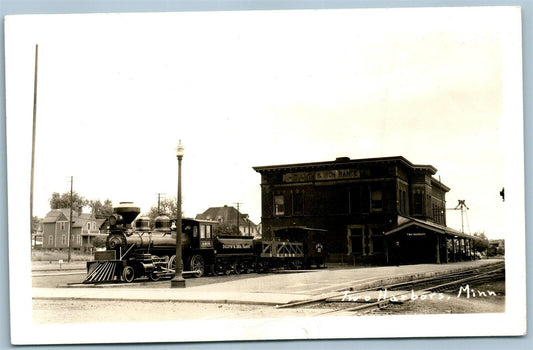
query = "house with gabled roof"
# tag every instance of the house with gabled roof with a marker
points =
(228, 218)
(56, 227)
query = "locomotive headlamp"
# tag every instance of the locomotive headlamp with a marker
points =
(115, 220)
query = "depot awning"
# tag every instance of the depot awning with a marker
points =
(408, 222)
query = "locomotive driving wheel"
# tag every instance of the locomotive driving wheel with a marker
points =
(236, 268)
(153, 276)
(172, 263)
(128, 274)
(197, 264)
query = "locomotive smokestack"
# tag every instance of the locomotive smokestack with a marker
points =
(128, 211)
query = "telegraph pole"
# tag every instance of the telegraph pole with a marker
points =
(159, 203)
(238, 215)
(70, 222)
(33, 139)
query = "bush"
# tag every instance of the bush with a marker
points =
(56, 255)
(99, 241)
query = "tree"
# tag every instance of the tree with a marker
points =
(59, 201)
(35, 223)
(223, 229)
(479, 245)
(167, 206)
(101, 210)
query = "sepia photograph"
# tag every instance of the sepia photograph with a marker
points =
(265, 175)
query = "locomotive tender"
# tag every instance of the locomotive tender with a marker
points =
(135, 250)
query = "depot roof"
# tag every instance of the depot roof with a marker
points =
(405, 222)
(343, 161)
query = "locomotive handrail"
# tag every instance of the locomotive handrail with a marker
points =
(127, 251)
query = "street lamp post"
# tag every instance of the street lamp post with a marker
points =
(177, 280)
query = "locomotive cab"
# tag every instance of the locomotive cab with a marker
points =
(199, 232)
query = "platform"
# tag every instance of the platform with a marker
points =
(272, 289)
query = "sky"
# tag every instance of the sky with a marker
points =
(241, 89)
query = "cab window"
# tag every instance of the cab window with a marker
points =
(202, 231)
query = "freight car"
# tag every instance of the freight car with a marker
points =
(134, 249)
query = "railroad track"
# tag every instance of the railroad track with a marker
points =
(423, 286)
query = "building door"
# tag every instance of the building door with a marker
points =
(357, 244)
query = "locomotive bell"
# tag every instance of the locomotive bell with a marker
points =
(128, 211)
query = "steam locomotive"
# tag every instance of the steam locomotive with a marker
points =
(134, 249)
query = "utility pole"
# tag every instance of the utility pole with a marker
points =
(238, 214)
(70, 222)
(159, 203)
(33, 139)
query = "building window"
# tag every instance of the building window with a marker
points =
(88, 226)
(63, 239)
(298, 203)
(359, 200)
(418, 205)
(403, 204)
(377, 201)
(202, 231)
(438, 214)
(355, 200)
(279, 205)
(51, 240)
(365, 199)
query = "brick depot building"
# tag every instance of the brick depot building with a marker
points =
(379, 210)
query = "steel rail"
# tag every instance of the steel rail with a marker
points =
(412, 283)
(380, 303)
